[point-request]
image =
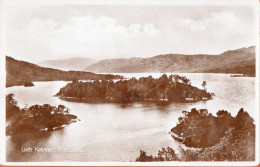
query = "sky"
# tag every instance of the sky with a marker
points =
(39, 32)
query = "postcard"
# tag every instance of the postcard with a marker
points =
(128, 82)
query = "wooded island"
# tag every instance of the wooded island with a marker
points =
(174, 88)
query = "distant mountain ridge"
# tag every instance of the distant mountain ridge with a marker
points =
(23, 73)
(233, 61)
(77, 63)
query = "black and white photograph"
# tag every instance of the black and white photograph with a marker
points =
(128, 82)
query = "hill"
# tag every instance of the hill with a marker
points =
(233, 61)
(76, 64)
(21, 73)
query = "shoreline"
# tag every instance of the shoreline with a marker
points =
(99, 100)
(22, 83)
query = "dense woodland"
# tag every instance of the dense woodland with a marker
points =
(36, 117)
(218, 138)
(172, 88)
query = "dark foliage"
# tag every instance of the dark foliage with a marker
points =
(236, 145)
(163, 155)
(12, 110)
(172, 88)
(199, 129)
(223, 138)
(36, 117)
(220, 138)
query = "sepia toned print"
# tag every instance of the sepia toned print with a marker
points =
(131, 82)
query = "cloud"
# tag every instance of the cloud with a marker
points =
(221, 22)
(87, 35)
(43, 34)
(222, 31)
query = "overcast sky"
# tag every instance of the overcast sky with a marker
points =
(41, 32)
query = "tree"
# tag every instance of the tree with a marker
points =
(185, 80)
(223, 113)
(163, 155)
(144, 158)
(204, 84)
(167, 155)
(12, 110)
(243, 120)
(172, 88)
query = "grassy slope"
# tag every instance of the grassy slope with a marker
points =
(21, 72)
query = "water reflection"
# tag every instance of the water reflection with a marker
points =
(26, 139)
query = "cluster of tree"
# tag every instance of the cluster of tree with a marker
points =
(233, 138)
(163, 155)
(172, 88)
(199, 129)
(236, 145)
(36, 117)
(23, 73)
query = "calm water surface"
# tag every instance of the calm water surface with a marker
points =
(116, 132)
